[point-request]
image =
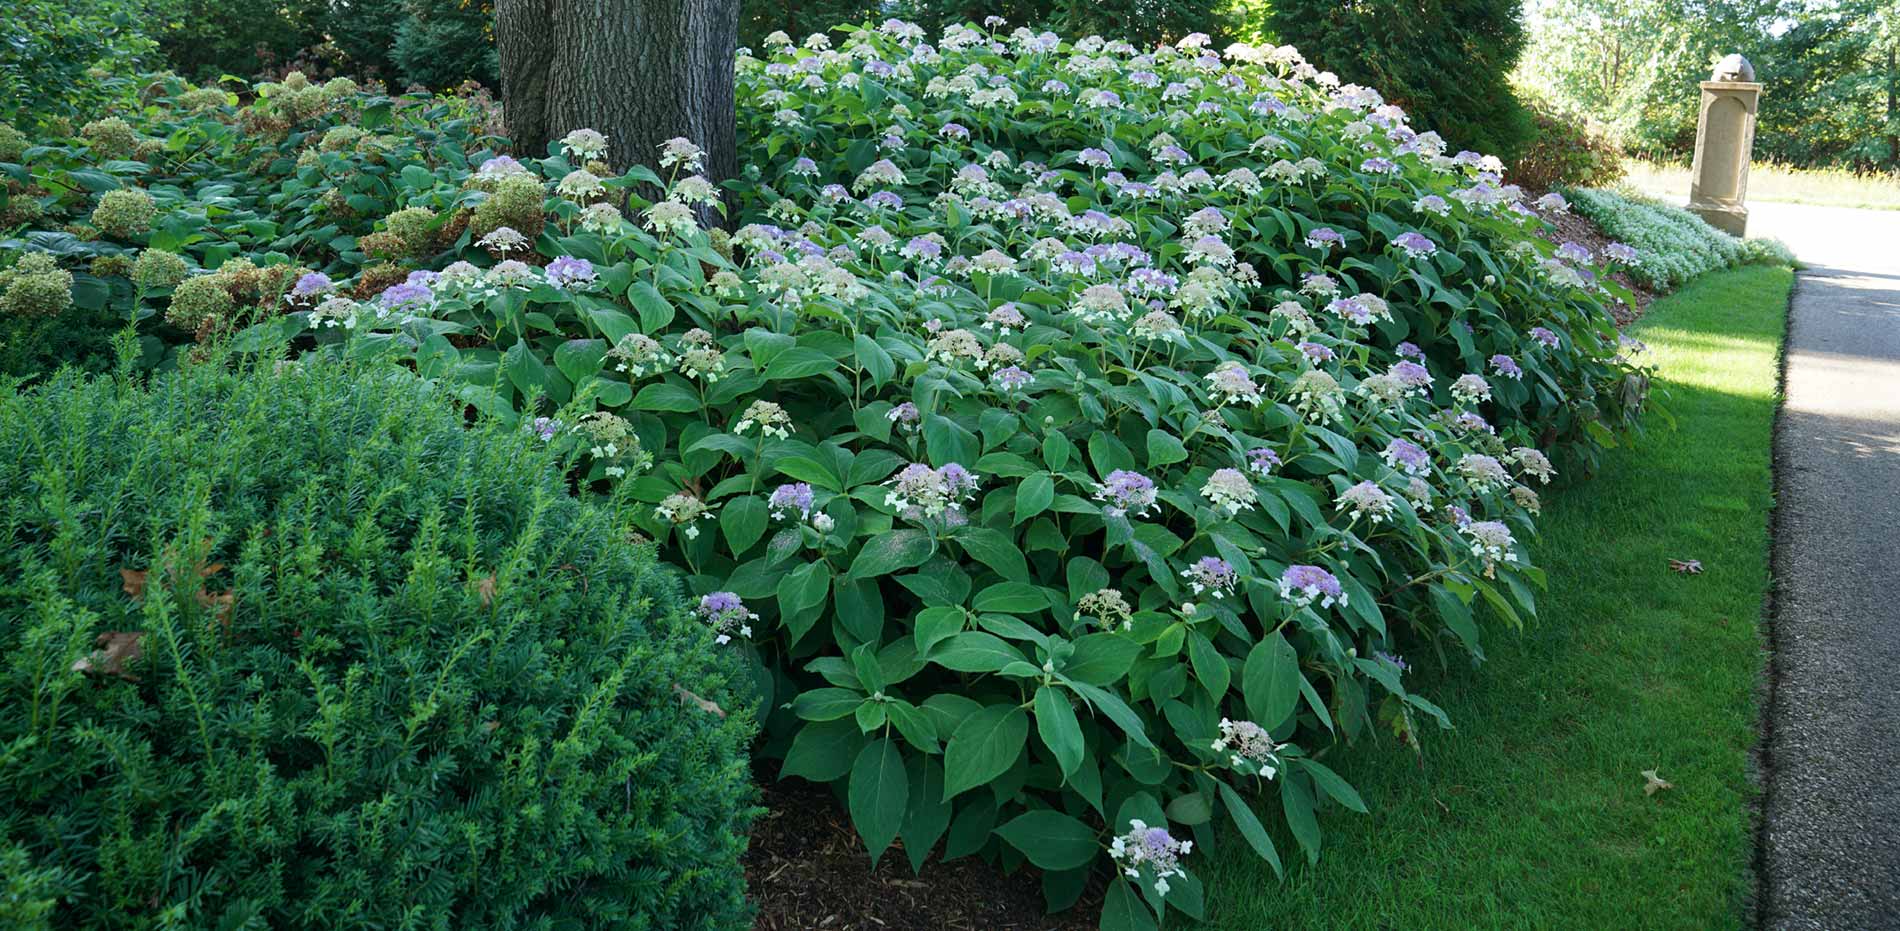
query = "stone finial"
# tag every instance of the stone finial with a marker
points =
(1733, 68)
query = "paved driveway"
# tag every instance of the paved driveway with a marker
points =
(1831, 844)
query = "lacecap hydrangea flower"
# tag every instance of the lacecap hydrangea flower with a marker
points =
(726, 614)
(1211, 575)
(1249, 748)
(1303, 585)
(1125, 491)
(1229, 490)
(1108, 608)
(1151, 850)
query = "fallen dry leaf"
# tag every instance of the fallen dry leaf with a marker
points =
(1686, 566)
(1655, 783)
(686, 695)
(485, 587)
(117, 650)
(220, 606)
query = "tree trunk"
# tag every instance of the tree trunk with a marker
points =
(640, 71)
(524, 41)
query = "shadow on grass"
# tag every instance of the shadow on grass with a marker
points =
(1532, 813)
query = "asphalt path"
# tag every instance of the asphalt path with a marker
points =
(1830, 854)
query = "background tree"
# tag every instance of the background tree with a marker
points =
(1833, 88)
(1446, 61)
(431, 43)
(1832, 84)
(640, 71)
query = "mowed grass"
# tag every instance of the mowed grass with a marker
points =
(1531, 814)
(1767, 181)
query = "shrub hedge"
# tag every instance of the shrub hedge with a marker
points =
(1565, 151)
(296, 649)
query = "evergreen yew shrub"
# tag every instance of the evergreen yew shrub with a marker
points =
(296, 649)
(1446, 61)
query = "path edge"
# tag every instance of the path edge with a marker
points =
(1759, 891)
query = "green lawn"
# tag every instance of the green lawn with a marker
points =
(1532, 813)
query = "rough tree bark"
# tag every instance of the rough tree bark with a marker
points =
(640, 71)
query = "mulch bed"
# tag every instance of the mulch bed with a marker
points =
(1573, 228)
(807, 871)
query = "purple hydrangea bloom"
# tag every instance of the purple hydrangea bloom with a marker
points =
(406, 297)
(1315, 353)
(1415, 244)
(1350, 309)
(1094, 158)
(1213, 575)
(1303, 585)
(1076, 263)
(1262, 460)
(1395, 660)
(1379, 166)
(1407, 456)
(545, 428)
(792, 498)
(1324, 237)
(1506, 366)
(885, 200)
(312, 284)
(567, 271)
(498, 166)
(1126, 491)
(958, 480)
(1011, 378)
(726, 615)
(1412, 375)
(1411, 351)
(1545, 336)
(1618, 252)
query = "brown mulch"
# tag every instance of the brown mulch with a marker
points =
(807, 871)
(1573, 228)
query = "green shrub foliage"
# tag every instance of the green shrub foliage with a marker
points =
(1672, 245)
(294, 649)
(63, 58)
(1446, 61)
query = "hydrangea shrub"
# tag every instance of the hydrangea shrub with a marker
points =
(1074, 438)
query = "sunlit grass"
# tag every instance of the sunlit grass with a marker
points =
(1532, 813)
(1767, 181)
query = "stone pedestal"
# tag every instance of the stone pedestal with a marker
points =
(1724, 142)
